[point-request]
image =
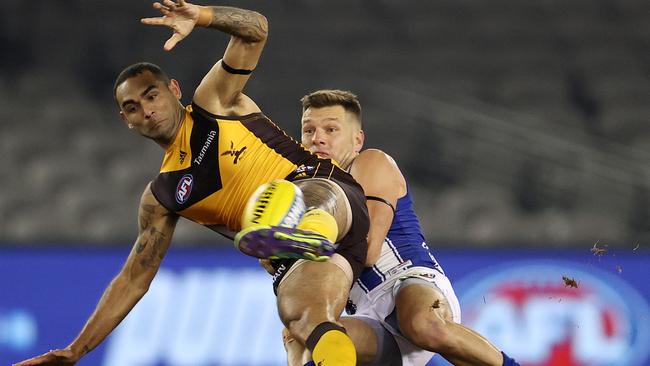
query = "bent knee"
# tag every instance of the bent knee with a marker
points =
(331, 198)
(428, 331)
(297, 328)
(302, 323)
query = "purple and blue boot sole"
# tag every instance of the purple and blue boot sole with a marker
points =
(275, 242)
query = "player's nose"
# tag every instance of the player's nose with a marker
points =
(318, 138)
(148, 111)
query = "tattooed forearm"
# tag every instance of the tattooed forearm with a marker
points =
(246, 24)
(156, 252)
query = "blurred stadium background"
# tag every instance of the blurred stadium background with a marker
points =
(522, 126)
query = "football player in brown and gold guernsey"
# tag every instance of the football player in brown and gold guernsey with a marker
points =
(218, 150)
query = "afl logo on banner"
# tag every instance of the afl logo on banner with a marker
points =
(526, 309)
(184, 188)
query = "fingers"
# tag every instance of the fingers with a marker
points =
(163, 9)
(155, 21)
(170, 4)
(266, 264)
(51, 357)
(173, 16)
(171, 42)
(165, 21)
(32, 361)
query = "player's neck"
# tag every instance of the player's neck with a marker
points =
(346, 163)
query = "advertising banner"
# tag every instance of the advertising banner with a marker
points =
(216, 307)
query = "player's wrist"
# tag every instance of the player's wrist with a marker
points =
(205, 16)
(76, 352)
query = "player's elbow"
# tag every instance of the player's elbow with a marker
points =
(371, 258)
(374, 250)
(136, 282)
(369, 263)
(128, 289)
(260, 32)
(264, 25)
(139, 288)
(140, 284)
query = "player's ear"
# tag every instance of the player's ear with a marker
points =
(175, 88)
(126, 122)
(359, 138)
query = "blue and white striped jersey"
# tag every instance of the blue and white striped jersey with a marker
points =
(404, 247)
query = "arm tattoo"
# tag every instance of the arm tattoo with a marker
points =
(145, 217)
(245, 24)
(85, 350)
(150, 233)
(145, 222)
(157, 239)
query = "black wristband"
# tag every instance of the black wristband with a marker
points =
(233, 70)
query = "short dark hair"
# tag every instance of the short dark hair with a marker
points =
(330, 97)
(137, 69)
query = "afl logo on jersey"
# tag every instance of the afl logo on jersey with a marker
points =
(184, 188)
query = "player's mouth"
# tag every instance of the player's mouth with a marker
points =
(322, 154)
(156, 123)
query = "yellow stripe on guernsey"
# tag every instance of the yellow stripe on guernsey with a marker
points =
(245, 163)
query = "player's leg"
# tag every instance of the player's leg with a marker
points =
(297, 354)
(425, 317)
(328, 208)
(311, 298)
(375, 344)
(368, 336)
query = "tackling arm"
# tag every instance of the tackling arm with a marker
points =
(379, 176)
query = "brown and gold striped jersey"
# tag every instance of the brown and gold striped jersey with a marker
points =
(215, 163)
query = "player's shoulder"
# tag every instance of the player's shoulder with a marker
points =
(377, 161)
(377, 173)
(375, 157)
(372, 155)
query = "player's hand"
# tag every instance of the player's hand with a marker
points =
(180, 16)
(266, 263)
(56, 357)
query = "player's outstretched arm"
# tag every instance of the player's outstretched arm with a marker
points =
(380, 177)
(156, 226)
(220, 91)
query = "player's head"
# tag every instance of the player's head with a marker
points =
(331, 125)
(148, 100)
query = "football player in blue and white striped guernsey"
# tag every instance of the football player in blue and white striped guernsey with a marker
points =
(403, 308)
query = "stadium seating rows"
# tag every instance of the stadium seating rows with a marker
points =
(509, 112)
